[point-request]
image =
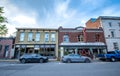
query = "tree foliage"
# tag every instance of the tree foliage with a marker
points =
(3, 28)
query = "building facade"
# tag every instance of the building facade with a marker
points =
(111, 28)
(80, 40)
(6, 47)
(34, 40)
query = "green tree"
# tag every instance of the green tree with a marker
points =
(3, 28)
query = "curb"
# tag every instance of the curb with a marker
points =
(9, 60)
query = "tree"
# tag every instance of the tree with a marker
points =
(3, 28)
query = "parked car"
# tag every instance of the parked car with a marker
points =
(75, 58)
(111, 55)
(33, 58)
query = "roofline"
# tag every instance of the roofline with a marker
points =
(37, 29)
(109, 17)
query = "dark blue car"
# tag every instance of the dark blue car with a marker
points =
(33, 58)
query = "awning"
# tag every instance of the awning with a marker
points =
(83, 44)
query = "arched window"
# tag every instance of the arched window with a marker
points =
(80, 38)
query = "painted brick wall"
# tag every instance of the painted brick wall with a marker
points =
(4, 42)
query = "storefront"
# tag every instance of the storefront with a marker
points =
(84, 49)
(42, 49)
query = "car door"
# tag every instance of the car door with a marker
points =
(35, 58)
(72, 57)
(29, 58)
(118, 54)
(78, 58)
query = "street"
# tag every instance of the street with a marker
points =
(60, 69)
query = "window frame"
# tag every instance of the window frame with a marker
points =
(30, 36)
(80, 38)
(65, 38)
(46, 37)
(115, 45)
(22, 36)
(53, 38)
(0, 47)
(110, 24)
(112, 33)
(37, 38)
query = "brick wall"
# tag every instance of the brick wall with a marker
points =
(95, 24)
(4, 42)
(73, 36)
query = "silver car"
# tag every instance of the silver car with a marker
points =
(75, 58)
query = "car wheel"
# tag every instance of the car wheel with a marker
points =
(87, 61)
(113, 59)
(68, 61)
(41, 60)
(23, 61)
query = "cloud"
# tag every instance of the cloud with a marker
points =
(111, 11)
(24, 20)
(61, 15)
(57, 13)
(17, 17)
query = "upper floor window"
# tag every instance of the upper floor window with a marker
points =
(80, 38)
(37, 37)
(53, 37)
(65, 38)
(97, 37)
(112, 34)
(0, 47)
(115, 44)
(110, 24)
(22, 36)
(46, 37)
(119, 24)
(30, 36)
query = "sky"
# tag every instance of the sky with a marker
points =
(55, 13)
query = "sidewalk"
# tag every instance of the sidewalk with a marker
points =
(17, 60)
(50, 60)
(9, 60)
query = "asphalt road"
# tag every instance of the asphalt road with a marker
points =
(60, 69)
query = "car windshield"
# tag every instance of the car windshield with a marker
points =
(77, 55)
(71, 55)
(118, 52)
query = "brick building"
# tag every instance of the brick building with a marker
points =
(111, 28)
(81, 40)
(6, 47)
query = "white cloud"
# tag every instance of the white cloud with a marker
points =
(111, 11)
(24, 20)
(17, 17)
(60, 15)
